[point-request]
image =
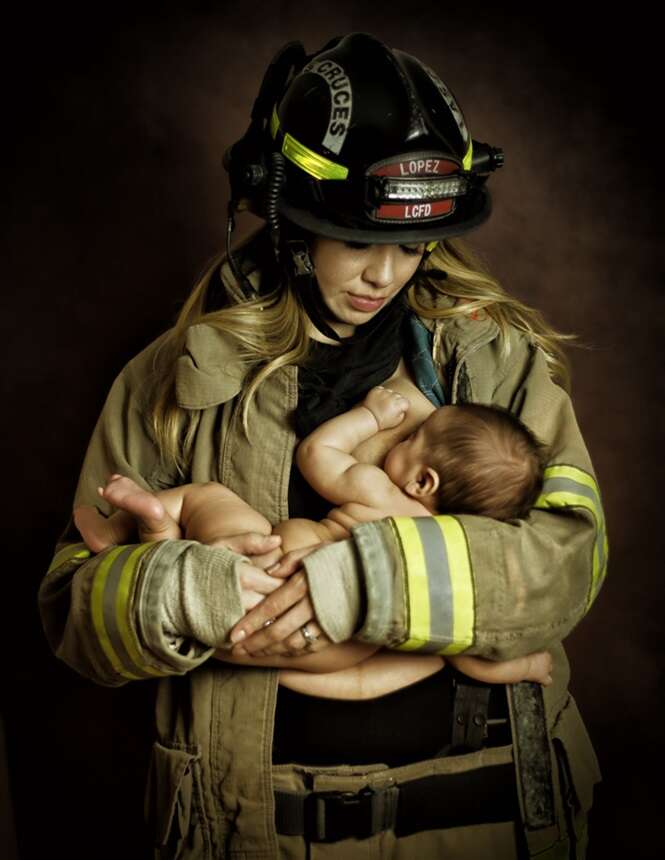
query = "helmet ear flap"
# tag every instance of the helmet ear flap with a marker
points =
(247, 160)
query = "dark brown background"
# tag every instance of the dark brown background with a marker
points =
(114, 197)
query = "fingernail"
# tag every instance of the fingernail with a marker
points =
(238, 636)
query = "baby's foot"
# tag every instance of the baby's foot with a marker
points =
(539, 668)
(126, 495)
(100, 532)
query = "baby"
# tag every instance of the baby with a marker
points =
(469, 458)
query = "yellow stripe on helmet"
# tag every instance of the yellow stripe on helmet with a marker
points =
(305, 158)
(468, 158)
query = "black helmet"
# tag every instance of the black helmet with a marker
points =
(361, 142)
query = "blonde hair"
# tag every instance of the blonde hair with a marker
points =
(271, 332)
(476, 291)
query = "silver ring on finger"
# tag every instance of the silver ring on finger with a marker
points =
(309, 637)
(268, 622)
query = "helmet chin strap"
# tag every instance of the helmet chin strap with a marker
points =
(302, 270)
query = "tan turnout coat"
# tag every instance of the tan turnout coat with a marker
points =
(470, 583)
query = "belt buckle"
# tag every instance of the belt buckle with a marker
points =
(334, 815)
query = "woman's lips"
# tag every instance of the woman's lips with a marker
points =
(360, 303)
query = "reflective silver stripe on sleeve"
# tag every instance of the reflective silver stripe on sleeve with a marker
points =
(438, 582)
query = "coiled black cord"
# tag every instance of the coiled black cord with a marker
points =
(275, 184)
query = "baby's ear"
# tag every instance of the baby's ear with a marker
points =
(426, 484)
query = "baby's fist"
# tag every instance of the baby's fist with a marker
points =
(388, 407)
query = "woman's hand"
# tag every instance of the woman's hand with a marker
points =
(263, 551)
(275, 626)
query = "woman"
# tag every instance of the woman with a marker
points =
(360, 161)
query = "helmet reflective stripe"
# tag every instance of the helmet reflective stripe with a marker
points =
(341, 101)
(305, 158)
(450, 101)
(468, 157)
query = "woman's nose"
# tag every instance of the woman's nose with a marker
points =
(380, 268)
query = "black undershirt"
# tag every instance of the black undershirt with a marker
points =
(407, 725)
(410, 724)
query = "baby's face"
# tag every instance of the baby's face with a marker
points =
(407, 458)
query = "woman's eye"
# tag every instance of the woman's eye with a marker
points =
(357, 246)
(412, 250)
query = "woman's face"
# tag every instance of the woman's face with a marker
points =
(357, 280)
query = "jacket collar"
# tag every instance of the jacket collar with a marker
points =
(209, 371)
(458, 335)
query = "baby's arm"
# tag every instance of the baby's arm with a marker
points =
(532, 667)
(325, 459)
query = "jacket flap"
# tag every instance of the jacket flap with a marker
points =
(169, 781)
(580, 757)
(210, 371)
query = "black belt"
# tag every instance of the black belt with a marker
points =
(481, 796)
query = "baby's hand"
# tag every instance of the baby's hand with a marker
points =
(388, 407)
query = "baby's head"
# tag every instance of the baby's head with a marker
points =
(471, 459)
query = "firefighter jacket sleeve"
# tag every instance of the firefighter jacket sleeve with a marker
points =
(107, 615)
(447, 584)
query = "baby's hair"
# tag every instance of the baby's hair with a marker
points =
(489, 463)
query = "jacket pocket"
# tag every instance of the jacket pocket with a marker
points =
(578, 770)
(173, 804)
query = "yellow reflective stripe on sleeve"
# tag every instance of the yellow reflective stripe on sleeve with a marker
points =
(568, 486)
(110, 604)
(69, 552)
(122, 607)
(573, 474)
(97, 605)
(439, 584)
(417, 589)
(305, 158)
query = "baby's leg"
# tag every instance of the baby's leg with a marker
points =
(100, 532)
(299, 533)
(155, 516)
(533, 667)
(212, 512)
